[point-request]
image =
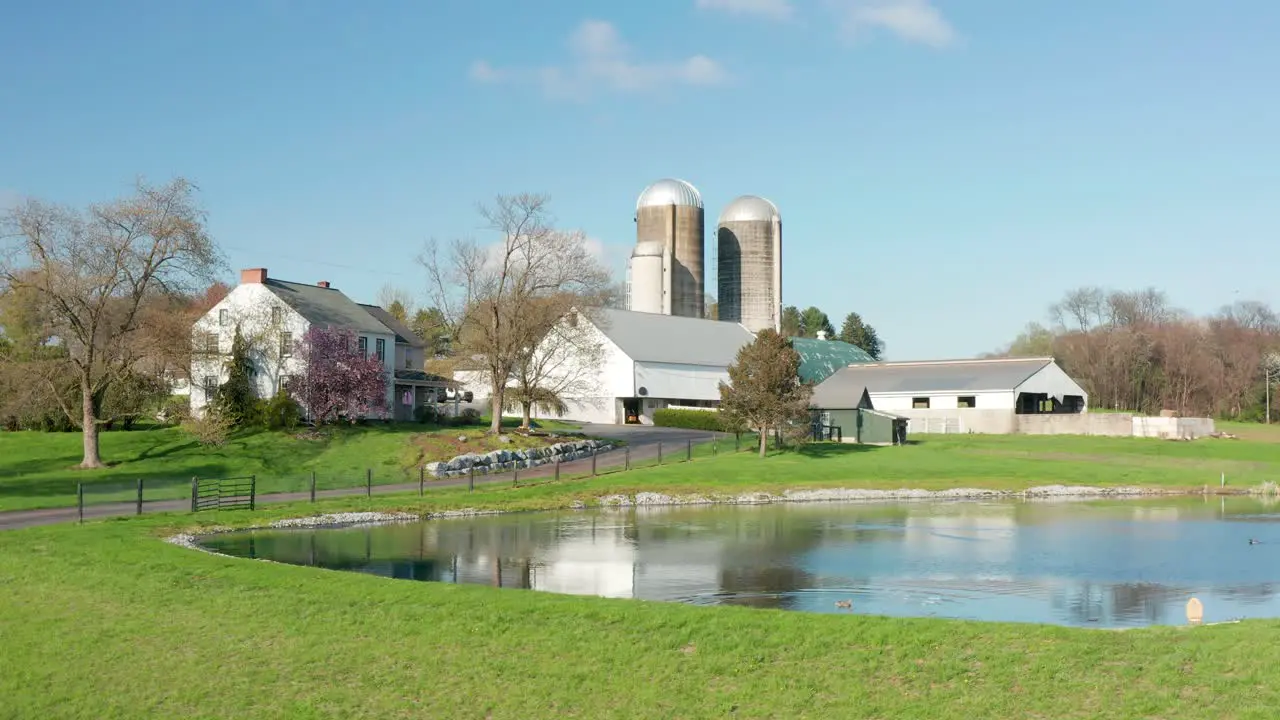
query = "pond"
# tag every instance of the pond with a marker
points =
(1095, 564)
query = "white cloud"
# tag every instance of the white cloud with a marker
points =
(772, 9)
(912, 20)
(599, 59)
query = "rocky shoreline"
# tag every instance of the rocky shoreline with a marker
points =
(657, 500)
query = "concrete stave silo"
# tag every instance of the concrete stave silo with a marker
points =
(749, 267)
(650, 280)
(670, 212)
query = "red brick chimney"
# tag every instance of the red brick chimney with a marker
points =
(323, 284)
(253, 275)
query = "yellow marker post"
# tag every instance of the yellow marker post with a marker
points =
(1195, 611)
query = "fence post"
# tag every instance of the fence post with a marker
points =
(714, 449)
(313, 486)
(368, 482)
(79, 502)
(688, 450)
(422, 479)
(471, 479)
(515, 475)
(593, 461)
(195, 491)
(626, 452)
(557, 468)
(139, 496)
(253, 492)
(659, 452)
(737, 442)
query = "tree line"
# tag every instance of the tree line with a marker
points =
(1135, 351)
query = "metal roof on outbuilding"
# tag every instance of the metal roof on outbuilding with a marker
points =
(650, 337)
(326, 306)
(941, 375)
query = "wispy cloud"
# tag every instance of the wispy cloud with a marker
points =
(600, 60)
(912, 20)
(772, 9)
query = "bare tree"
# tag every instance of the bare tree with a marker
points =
(396, 301)
(96, 270)
(565, 363)
(495, 295)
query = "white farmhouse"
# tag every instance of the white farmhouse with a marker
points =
(273, 314)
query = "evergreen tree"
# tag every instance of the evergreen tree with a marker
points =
(791, 322)
(813, 320)
(765, 390)
(856, 332)
(237, 399)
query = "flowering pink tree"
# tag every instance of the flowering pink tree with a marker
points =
(337, 382)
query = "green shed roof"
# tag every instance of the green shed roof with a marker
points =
(819, 359)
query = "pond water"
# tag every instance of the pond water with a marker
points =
(1093, 564)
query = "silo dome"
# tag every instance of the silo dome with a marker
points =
(749, 208)
(669, 192)
(648, 248)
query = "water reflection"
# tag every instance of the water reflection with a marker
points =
(1106, 564)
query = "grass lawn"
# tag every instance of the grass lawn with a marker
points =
(38, 469)
(106, 621)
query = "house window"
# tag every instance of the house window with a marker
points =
(920, 403)
(210, 387)
(286, 344)
(363, 346)
(408, 362)
(209, 343)
(224, 317)
(967, 401)
(380, 346)
(275, 315)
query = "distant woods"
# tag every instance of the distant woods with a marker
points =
(1132, 350)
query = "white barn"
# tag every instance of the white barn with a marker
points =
(984, 395)
(647, 362)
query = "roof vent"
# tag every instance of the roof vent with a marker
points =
(822, 334)
(323, 284)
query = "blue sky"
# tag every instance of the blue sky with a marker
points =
(947, 168)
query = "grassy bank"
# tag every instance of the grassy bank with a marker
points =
(106, 620)
(38, 469)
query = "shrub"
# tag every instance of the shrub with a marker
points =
(175, 410)
(425, 414)
(210, 429)
(708, 420)
(281, 412)
(469, 416)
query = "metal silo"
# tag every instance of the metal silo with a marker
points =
(749, 268)
(670, 212)
(649, 288)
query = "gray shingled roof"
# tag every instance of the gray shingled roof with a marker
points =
(402, 331)
(650, 337)
(326, 306)
(838, 392)
(946, 376)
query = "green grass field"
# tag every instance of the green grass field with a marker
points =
(38, 469)
(105, 620)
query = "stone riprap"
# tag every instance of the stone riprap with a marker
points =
(518, 459)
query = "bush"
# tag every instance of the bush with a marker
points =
(708, 420)
(175, 410)
(281, 412)
(210, 429)
(469, 416)
(425, 414)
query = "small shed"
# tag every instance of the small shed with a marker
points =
(843, 410)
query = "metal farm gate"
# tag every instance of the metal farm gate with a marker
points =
(223, 493)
